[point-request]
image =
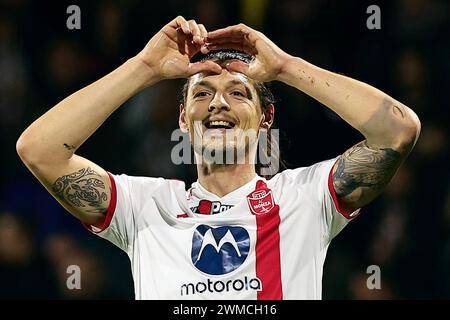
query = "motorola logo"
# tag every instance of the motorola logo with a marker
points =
(221, 250)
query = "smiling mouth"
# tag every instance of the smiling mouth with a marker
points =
(219, 124)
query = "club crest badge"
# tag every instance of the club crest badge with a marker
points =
(260, 201)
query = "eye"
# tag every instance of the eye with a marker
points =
(237, 93)
(200, 94)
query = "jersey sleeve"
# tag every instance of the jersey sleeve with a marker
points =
(127, 196)
(317, 181)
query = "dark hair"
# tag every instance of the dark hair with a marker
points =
(265, 96)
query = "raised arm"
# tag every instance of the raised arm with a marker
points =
(391, 129)
(48, 146)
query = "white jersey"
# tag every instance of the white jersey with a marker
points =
(265, 240)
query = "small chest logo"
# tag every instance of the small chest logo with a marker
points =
(261, 201)
(210, 207)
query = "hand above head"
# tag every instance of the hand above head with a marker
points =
(269, 60)
(168, 53)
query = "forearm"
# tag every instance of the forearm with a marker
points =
(382, 120)
(57, 134)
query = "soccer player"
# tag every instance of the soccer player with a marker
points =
(233, 234)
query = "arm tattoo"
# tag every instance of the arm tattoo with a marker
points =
(69, 147)
(82, 189)
(361, 166)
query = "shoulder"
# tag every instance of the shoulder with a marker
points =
(143, 183)
(306, 175)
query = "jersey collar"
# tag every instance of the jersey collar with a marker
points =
(201, 192)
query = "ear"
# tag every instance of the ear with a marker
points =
(268, 117)
(182, 119)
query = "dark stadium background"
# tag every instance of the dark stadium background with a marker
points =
(405, 232)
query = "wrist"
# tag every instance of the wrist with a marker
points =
(292, 70)
(143, 73)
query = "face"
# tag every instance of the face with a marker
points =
(222, 113)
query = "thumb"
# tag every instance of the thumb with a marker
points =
(237, 66)
(204, 66)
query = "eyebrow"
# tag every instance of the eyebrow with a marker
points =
(231, 83)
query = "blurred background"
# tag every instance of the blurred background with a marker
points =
(405, 232)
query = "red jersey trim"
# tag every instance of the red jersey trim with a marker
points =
(99, 227)
(340, 207)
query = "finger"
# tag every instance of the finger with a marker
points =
(224, 32)
(205, 66)
(181, 41)
(192, 48)
(203, 32)
(180, 22)
(224, 40)
(234, 46)
(231, 43)
(222, 43)
(204, 49)
(237, 66)
(250, 37)
(235, 31)
(195, 31)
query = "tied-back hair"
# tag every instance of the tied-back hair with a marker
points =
(266, 98)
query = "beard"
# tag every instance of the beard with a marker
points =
(226, 146)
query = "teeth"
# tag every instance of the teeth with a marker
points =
(220, 123)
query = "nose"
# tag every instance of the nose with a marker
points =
(218, 103)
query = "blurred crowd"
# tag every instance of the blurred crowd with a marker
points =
(405, 232)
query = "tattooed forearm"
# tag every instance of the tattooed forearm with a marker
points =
(363, 167)
(82, 189)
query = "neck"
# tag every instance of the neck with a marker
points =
(224, 178)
